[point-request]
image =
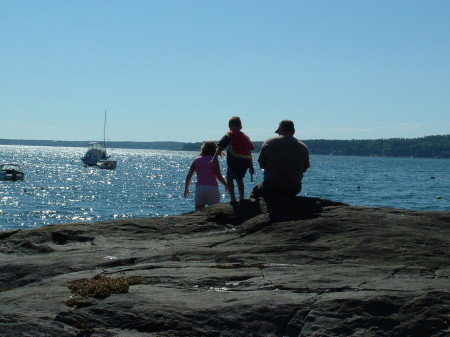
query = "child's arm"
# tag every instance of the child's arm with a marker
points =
(217, 154)
(188, 180)
(219, 174)
(251, 168)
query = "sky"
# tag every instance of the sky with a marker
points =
(177, 70)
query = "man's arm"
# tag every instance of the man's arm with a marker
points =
(262, 157)
(306, 165)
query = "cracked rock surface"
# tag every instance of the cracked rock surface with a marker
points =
(292, 267)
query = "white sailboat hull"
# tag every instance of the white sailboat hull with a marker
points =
(96, 154)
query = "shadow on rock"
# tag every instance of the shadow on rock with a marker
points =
(279, 209)
(262, 212)
(296, 208)
(235, 213)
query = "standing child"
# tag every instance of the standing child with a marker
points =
(208, 172)
(239, 156)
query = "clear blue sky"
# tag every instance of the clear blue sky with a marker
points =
(177, 70)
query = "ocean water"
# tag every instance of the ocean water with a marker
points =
(150, 183)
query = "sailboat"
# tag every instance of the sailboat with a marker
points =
(96, 154)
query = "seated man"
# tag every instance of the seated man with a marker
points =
(284, 159)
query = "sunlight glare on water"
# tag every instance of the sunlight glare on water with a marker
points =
(150, 183)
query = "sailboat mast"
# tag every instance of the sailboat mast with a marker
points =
(104, 130)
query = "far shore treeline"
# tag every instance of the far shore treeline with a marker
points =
(425, 147)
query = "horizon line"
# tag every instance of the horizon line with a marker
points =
(185, 142)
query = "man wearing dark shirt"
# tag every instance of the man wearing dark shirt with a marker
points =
(284, 159)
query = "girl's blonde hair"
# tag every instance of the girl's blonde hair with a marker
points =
(208, 148)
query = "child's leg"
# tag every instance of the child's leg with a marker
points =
(240, 184)
(200, 197)
(231, 189)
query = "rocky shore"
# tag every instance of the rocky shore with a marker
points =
(294, 267)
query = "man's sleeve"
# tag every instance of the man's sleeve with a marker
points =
(306, 166)
(262, 156)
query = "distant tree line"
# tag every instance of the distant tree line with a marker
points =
(426, 147)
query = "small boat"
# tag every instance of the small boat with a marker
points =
(96, 153)
(11, 172)
(107, 164)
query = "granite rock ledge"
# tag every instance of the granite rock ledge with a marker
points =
(293, 267)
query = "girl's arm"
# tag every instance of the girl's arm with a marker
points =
(219, 174)
(188, 180)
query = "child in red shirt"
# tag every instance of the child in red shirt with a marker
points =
(239, 156)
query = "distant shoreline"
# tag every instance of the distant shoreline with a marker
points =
(424, 147)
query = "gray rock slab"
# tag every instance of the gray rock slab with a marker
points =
(288, 267)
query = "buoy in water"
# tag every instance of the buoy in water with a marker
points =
(439, 197)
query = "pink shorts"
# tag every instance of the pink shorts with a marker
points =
(207, 195)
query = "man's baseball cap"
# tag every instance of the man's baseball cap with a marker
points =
(286, 125)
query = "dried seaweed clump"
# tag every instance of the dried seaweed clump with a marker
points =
(101, 286)
(5, 289)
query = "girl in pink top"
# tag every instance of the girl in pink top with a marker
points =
(208, 172)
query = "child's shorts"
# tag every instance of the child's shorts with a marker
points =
(207, 195)
(236, 173)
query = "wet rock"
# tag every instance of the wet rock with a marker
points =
(287, 267)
